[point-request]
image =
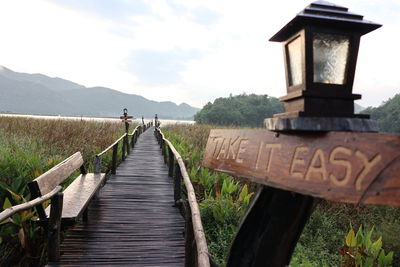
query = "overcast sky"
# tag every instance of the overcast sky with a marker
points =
(182, 50)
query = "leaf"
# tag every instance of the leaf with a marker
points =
(5, 221)
(243, 193)
(367, 239)
(376, 247)
(381, 258)
(359, 260)
(388, 258)
(369, 262)
(360, 237)
(7, 204)
(350, 238)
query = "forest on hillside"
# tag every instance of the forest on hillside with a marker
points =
(240, 110)
(251, 110)
(387, 115)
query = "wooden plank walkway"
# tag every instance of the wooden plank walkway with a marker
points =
(133, 221)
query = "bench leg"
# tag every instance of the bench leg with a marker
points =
(85, 215)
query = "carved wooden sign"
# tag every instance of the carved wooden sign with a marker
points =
(340, 166)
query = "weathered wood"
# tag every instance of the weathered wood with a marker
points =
(340, 166)
(128, 148)
(28, 205)
(164, 151)
(133, 222)
(35, 193)
(201, 243)
(270, 229)
(56, 175)
(170, 162)
(54, 227)
(190, 244)
(123, 149)
(111, 146)
(177, 183)
(114, 159)
(78, 194)
(97, 164)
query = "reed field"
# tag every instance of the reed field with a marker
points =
(28, 148)
(327, 236)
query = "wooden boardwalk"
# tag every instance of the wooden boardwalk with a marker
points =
(133, 222)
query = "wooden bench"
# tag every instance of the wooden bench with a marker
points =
(76, 196)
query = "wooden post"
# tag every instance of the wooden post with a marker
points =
(164, 148)
(53, 244)
(114, 159)
(97, 164)
(271, 228)
(170, 162)
(128, 147)
(123, 149)
(190, 244)
(177, 183)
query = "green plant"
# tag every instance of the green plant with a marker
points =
(360, 250)
(19, 228)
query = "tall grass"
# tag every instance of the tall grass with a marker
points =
(323, 237)
(30, 147)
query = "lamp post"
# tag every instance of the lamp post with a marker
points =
(320, 48)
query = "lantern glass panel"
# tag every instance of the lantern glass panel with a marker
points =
(295, 61)
(330, 55)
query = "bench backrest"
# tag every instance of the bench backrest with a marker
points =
(46, 182)
(56, 175)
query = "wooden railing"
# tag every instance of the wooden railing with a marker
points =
(195, 240)
(127, 145)
(54, 226)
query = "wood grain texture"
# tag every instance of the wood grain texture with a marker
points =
(78, 194)
(56, 175)
(133, 222)
(28, 205)
(201, 242)
(340, 166)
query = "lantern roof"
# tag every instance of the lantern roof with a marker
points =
(325, 14)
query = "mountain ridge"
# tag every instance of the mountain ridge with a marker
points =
(40, 94)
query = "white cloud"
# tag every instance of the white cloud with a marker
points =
(227, 52)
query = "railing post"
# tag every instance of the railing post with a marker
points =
(177, 183)
(126, 140)
(133, 140)
(114, 159)
(190, 243)
(97, 164)
(123, 149)
(53, 236)
(170, 162)
(164, 152)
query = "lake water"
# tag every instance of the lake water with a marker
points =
(116, 120)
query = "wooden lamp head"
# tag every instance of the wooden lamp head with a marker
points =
(320, 48)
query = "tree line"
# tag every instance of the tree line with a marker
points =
(240, 110)
(251, 110)
(387, 115)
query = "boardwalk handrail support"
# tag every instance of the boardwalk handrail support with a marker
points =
(54, 227)
(203, 256)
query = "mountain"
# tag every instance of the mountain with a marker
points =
(40, 94)
(358, 108)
